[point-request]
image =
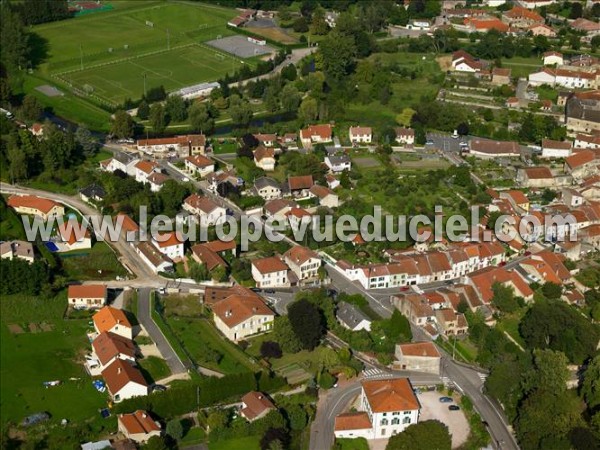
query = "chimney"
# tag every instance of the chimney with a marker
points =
(118, 370)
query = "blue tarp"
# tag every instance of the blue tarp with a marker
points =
(51, 246)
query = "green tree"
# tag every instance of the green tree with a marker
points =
(591, 384)
(31, 109)
(175, 429)
(176, 108)
(89, 144)
(338, 52)
(309, 110)
(158, 118)
(290, 98)
(297, 417)
(426, 435)
(155, 443)
(318, 23)
(285, 335)
(122, 125)
(13, 39)
(219, 273)
(504, 298)
(307, 323)
(241, 113)
(551, 290)
(143, 111)
(217, 420)
(200, 118)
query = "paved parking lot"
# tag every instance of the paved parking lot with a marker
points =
(240, 46)
(457, 424)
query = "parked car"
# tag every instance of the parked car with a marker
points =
(159, 388)
(446, 400)
(269, 291)
(254, 289)
(454, 408)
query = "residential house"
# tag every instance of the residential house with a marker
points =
(222, 182)
(582, 163)
(351, 317)
(418, 357)
(553, 58)
(107, 347)
(124, 381)
(338, 163)
(156, 260)
(541, 29)
(582, 112)
(239, 316)
(299, 186)
(205, 209)
(71, 235)
(86, 296)
(465, 62)
(535, 177)
(500, 76)
(290, 140)
(270, 272)
(203, 254)
(138, 426)
(199, 165)
(256, 405)
(360, 135)
(17, 249)
(519, 17)
(325, 195)
(93, 193)
(316, 134)
(266, 188)
(415, 308)
(267, 140)
(587, 141)
(405, 136)
(37, 129)
(279, 208)
(191, 144)
(169, 244)
(572, 198)
(128, 225)
(487, 148)
(36, 206)
(545, 76)
(517, 199)
(332, 181)
(484, 279)
(390, 406)
(304, 263)
(124, 162)
(556, 149)
(113, 320)
(451, 323)
(589, 27)
(297, 216)
(577, 79)
(512, 102)
(156, 181)
(264, 158)
(143, 169)
(472, 25)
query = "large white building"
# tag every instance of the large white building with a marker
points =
(239, 316)
(387, 406)
(270, 272)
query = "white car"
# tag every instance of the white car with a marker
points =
(185, 179)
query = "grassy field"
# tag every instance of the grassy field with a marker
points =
(522, 67)
(352, 444)
(37, 345)
(114, 51)
(247, 443)
(154, 368)
(100, 263)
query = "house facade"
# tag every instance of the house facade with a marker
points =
(36, 206)
(86, 296)
(239, 316)
(270, 272)
(360, 135)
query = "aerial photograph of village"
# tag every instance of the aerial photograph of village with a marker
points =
(300, 224)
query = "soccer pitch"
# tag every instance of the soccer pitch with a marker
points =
(173, 69)
(109, 54)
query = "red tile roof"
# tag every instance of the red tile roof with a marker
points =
(580, 158)
(86, 291)
(236, 309)
(204, 204)
(256, 404)
(146, 166)
(110, 345)
(299, 254)
(323, 131)
(390, 395)
(138, 422)
(71, 231)
(200, 161)
(427, 349)
(269, 265)
(263, 152)
(169, 239)
(352, 421)
(300, 182)
(106, 318)
(119, 374)
(43, 205)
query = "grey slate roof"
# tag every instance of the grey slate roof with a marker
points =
(350, 315)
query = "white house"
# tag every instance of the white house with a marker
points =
(338, 163)
(587, 141)
(156, 260)
(405, 136)
(388, 405)
(352, 318)
(73, 236)
(553, 58)
(200, 165)
(120, 161)
(36, 206)
(267, 188)
(268, 140)
(303, 262)
(86, 296)
(207, 211)
(156, 181)
(418, 357)
(239, 316)
(576, 79)
(191, 144)
(316, 134)
(124, 381)
(169, 244)
(270, 272)
(138, 426)
(264, 158)
(325, 195)
(107, 347)
(556, 149)
(113, 320)
(544, 76)
(360, 135)
(143, 169)
(256, 405)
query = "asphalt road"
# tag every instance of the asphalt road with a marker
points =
(144, 316)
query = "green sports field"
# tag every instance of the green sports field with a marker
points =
(106, 55)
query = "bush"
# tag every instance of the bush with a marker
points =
(326, 380)
(270, 349)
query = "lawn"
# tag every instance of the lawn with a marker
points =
(99, 263)
(204, 344)
(510, 324)
(246, 443)
(154, 368)
(38, 345)
(522, 67)
(352, 444)
(297, 367)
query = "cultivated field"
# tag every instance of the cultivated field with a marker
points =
(107, 55)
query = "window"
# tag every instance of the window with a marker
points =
(396, 421)
(384, 422)
(406, 420)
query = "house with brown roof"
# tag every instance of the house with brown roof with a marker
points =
(556, 149)
(500, 76)
(110, 346)
(138, 426)
(264, 158)
(553, 58)
(325, 195)
(256, 405)
(240, 316)
(199, 165)
(266, 139)
(113, 320)
(484, 279)
(300, 185)
(465, 62)
(190, 144)
(169, 244)
(540, 29)
(145, 168)
(472, 25)
(206, 211)
(517, 199)
(156, 181)
(451, 323)
(360, 135)
(304, 263)
(279, 208)
(536, 177)
(520, 17)
(17, 249)
(353, 425)
(202, 254)
(405, 136)
(86, 296)
(72, 235)
(418, 357)
(157, 261)
(414, 307)
(316, 134)
(582, 163)
(124, 381)
(487, 148)
(270, 272)
(36, 206)
(589, 27)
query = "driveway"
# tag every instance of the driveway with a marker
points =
(145, 318)
(432, 409)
